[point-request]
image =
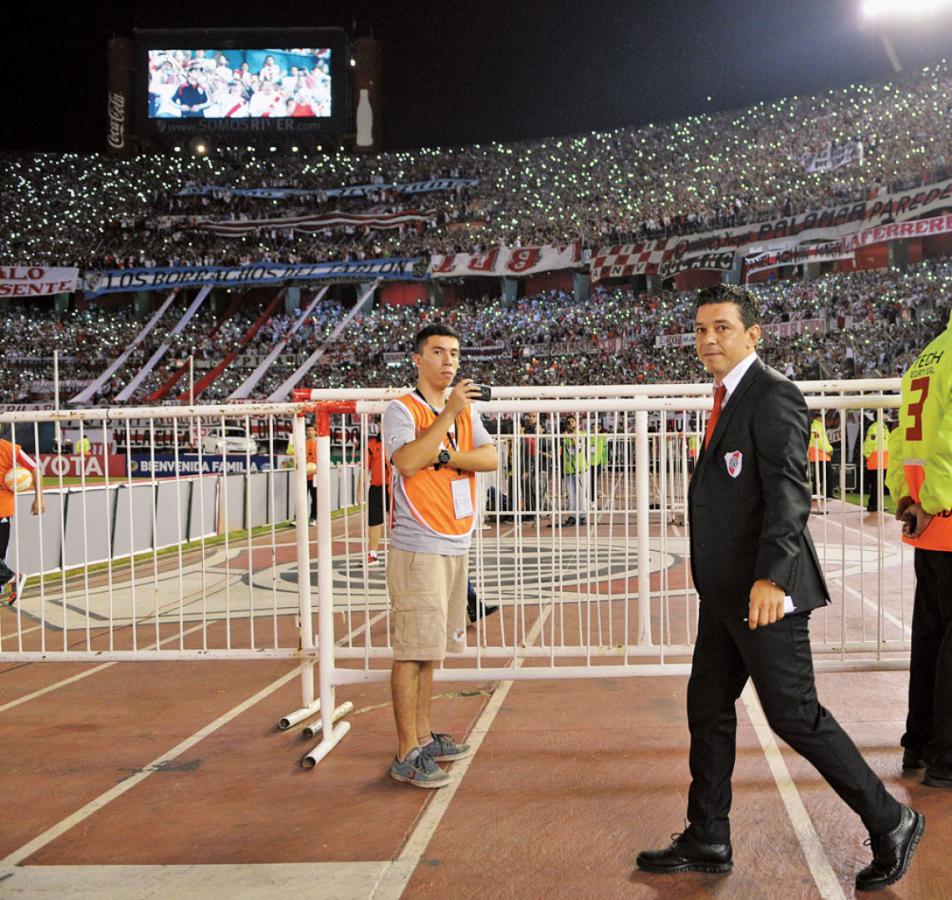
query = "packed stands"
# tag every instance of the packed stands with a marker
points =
(702, 172)
(871, 323)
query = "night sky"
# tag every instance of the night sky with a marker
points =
(462, 73)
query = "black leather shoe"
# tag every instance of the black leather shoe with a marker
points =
(687, 854)
(892, 852)
(912, 760)
(937, 778)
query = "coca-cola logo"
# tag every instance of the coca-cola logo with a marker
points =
(117, 120)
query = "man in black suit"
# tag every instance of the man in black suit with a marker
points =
(758, 577)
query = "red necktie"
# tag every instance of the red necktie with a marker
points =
(719, 393)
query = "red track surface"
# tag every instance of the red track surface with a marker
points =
(570, 780)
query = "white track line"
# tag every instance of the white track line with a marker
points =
(247, 881)
(17, 856)
(823, 874)
(57, 685)
(53, 687)
(395, 877)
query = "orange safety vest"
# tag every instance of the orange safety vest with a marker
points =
(878, 460)
(429, 492)
(8, 503)
(938, 534)
(310, 451)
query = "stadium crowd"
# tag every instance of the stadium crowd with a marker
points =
(870, 324)
(698, 173)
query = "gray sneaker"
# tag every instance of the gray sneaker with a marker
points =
(419, 770)
(444, 749)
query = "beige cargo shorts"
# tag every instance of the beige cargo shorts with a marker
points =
(428, 602)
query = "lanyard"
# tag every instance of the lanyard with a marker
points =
(451, 434)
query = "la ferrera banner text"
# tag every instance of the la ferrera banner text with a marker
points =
(897, 231)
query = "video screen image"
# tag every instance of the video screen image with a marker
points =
(239, 84)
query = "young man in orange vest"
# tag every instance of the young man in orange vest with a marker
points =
(8, 453)
(436, 443)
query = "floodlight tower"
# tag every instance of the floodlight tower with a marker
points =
(883, 14)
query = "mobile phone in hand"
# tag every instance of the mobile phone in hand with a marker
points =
(485, 392)
(909, 524)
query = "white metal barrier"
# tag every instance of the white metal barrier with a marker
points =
(591, 573)
(150, 560)
(589, 568)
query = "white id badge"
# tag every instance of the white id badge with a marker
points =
(462, 499)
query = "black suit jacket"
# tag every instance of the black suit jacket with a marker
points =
(749, 499)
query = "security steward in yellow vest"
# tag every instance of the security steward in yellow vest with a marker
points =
(575, 465)
(876, 453)
(920, 478)
(599, 450)
(436, 443)
(819, 453)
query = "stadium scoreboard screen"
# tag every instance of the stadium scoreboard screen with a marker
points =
(233, 86)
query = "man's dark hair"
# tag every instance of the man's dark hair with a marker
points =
(434, 329)
(731, 293)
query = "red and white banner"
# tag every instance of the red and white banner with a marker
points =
(674, 340)
(54, 466)
(308, 224)
(625, 260)
(897, 231)
(23, 407)
(507, 261)
(794, 256)
(668, 256)
(562, 348)
(36, 281)
(664, 257)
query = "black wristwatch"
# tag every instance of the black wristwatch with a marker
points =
(443, 458)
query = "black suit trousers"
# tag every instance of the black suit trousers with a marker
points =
(777, 658)
(929, 725)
